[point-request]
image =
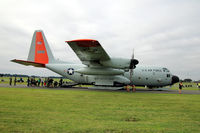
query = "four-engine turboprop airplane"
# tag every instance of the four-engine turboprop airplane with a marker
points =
(97, 67)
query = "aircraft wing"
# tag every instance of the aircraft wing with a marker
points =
(89, 51)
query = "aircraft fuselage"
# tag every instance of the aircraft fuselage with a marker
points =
(142, 76)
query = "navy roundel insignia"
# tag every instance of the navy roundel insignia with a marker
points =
(70, 71)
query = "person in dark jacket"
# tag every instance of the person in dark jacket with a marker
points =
(180, 87)
(15, 81)
(28, 82)
(60, 82)
(10, 81)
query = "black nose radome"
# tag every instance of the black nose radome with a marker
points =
(175, 79)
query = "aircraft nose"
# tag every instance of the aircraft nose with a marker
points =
(175, 79)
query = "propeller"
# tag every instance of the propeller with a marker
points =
(133, 63)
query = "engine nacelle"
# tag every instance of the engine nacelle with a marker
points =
(118, 63)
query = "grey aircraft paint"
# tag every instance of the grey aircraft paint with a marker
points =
(142, 76)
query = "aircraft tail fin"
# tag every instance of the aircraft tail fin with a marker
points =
(39, 53)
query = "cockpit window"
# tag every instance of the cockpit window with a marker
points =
(165, 70)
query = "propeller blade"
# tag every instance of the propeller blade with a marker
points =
(132, 55)
(131, 67)
(131, 75)
(133, 62)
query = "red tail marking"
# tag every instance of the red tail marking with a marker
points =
(40, 50)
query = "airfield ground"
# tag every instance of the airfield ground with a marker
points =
(25, 109)
(138, 89)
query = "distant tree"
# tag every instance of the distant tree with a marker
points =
(187, 80)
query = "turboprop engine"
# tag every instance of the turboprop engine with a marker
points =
(119, 63)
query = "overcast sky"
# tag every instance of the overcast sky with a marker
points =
(162, 32)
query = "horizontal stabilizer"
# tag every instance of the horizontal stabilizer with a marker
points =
(28, 63)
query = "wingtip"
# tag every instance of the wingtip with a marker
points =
(13, 60)
(81, 40)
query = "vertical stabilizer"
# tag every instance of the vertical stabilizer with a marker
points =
(40, 51)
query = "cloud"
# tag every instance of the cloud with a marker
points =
(164, 33)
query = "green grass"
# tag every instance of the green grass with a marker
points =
(46, 110)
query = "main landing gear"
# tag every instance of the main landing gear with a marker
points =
(130, 88)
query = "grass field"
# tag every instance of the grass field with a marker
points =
(46, 110)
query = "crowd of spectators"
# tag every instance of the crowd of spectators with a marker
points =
(38, 82)
(46, 82)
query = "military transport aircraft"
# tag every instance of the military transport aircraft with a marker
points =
(97, 67)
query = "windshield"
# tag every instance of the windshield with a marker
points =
(165, 70)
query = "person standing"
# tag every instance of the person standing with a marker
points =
(61, 82)
(31, 82)
(128, 88)
(133, 88)
(39, 81)
(180, 87)
(10, 81)
(28, 82)
(15, 81)
(42, 82)
(45, 82)
(199, 85)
